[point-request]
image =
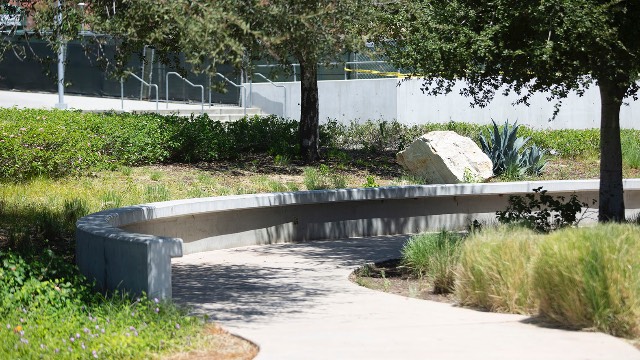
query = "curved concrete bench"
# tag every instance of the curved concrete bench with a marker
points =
(131, 248)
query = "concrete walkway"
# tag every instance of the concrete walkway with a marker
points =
(38, 100)
(296, 302)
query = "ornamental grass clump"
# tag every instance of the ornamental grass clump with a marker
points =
(590, 278)
(434, 256)
(494, 272)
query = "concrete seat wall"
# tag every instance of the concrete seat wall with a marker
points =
(131, 248)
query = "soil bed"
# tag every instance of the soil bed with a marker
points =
(392, 277)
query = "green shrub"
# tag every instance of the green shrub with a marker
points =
(203, 139)
(494, 272)
(56, 143)
(541, 212)
(590, 278)
(49, 311)
(434, 256)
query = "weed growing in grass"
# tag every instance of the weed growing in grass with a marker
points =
(494, 272)
(156, 193)
(371, 182)
(126, 170)
(282, 160)
(435, 256)
(265, 184)
(590, 277)
(196, 192)
(111, 199)
(323, 178)
(155, 175)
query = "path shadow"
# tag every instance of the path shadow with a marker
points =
(240, 292)
(344, 252)
(233, 292)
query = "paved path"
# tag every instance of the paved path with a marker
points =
(295, 302)
(49, 100)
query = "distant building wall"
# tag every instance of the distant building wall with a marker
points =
(389, 99)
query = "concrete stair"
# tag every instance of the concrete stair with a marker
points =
(215, 112)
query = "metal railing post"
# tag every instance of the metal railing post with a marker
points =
(146, 83)
(166, 84)
(122, 94)
(244, 105)
(284, 104)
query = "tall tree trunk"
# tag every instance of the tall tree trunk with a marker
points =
(611, 202)
(308, 133)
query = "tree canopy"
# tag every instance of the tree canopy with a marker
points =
(226, 31)
(524, 47)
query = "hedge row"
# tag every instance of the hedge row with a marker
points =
(57, 143)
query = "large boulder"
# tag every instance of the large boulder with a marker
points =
(444, 157)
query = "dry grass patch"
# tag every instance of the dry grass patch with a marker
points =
(218, 344)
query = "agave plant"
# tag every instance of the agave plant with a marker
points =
(505, 149)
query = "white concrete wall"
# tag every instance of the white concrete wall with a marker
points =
(389, 99)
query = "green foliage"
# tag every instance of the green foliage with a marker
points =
(590, 278)
(371, 182)
(542, 212)
(323, 178)
(434, 256)
(510, 46)
(567, 143)
(59, 143)
(507, 152)
(204, 139)
(631, 148)
(379, 136)
(49, 311)
(494, 272)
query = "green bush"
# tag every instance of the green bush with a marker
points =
(49, 311)
(379, 136)
(203, 139)
(494, 272)
(590, 278)
(434, 256)
(541, 212)
(57, 143)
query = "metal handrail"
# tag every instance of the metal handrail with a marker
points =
(188, 82)
(244, 92)
(144, 82)
(293, 66)
(284, 104)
